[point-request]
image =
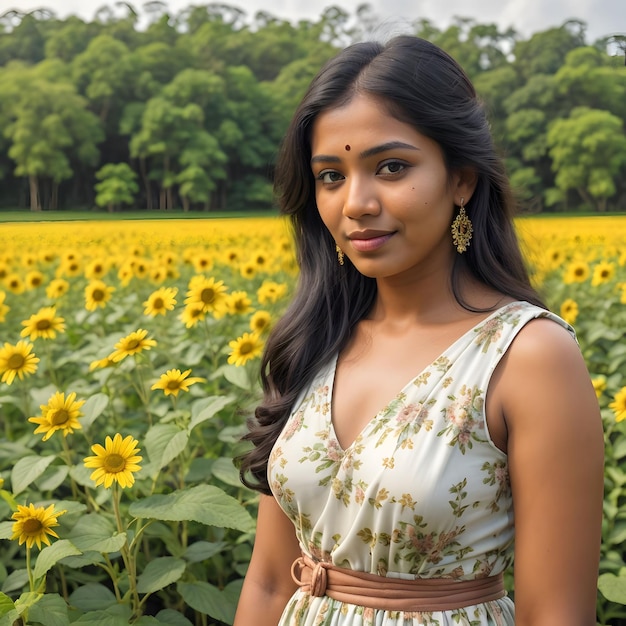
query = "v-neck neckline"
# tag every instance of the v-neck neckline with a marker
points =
(333, 369)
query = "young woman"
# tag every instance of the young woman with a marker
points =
(426, 421)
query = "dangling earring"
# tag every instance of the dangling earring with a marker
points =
(461, 229)
(340, 254)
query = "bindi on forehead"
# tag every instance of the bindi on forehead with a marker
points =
(348, 148)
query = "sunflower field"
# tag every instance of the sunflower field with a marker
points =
(129, 355)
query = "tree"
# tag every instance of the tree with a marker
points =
(118, 185)
(588, 152)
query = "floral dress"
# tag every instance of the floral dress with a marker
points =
(421, 493)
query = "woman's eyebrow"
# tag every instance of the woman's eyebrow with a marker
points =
(384, 147)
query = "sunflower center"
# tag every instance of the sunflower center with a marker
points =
(16, 362)
(35, 281)
(43, 324)
(32, 526)
(208, 295)
(173, 384)
(114, 463)
(158, 303)
(579, 271)
(59, 416)
(246, 347)
(132, 344)
(97, 295)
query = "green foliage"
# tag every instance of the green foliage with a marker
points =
(117, 185)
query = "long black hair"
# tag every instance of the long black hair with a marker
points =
(424, 87)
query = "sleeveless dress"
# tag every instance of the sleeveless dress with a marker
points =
(421, 493)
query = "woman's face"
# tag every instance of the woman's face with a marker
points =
(383, 190)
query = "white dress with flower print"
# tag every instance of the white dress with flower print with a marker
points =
(421, 493)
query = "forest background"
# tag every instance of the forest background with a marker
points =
(166, 111)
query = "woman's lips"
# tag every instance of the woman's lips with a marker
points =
(367, 244)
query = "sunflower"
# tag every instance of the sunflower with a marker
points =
(160, 301)
(248, 270)
(34, 524)
(115, 461)
(17, 360)
(44, 324)
(202, 262)
(4, 309)
(15, 284)
(70, 267)
(576, 272)
(158, 273)
(207, 292)
(132, 344)
(603, 272)
(60, 413)
(245, 348)
(97, 294)
(260, 322)
(173, 381)
(238, 303)
(619, 405)
(569, 311)
(56, 288)
(101, 363)
(34, 279)
(125, 274)
(192, 314)
(96, 269)
(599, 385)
(271, 291)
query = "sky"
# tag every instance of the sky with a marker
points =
(603, 17)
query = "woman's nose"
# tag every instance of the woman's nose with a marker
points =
(361, 199)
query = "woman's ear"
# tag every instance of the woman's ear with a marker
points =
(466, 180)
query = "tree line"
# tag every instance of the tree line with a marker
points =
(162, 110)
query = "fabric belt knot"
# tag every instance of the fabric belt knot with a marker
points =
(318, 578)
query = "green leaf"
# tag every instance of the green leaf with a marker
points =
(93, 408)
(224, 469)
(206, 408)
(160, 573)
(6, 530)
(206, 598)
(16, 580)
(51, 610)
(114, 616)
(6, 604)
(52, 478)
(164, 442)
(205, 504)
(173, 618)
(238, 376)
(92, 597)
(9, 499)
(28, 469)
(613, 588)
(203, 550)
(95, 532)
(52, 554)
(27, 600)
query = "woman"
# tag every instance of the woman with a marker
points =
(403, 505)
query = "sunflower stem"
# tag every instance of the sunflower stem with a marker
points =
(31, 581)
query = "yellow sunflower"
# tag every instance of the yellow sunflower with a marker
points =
(260, 322)
(70, 267)
(101, 363)
(160, 301)
(619, 405)
(238, 303)
(271, 291)
(44, 324)
(133, 343)
(17, 360)
(56, 288)
(15, 284)
(599, 385)
(34, 524)
(576, 272)
(192, 314)
(115, 461)
(202, 262)
(174, 381)
(569, 310)
(96, 269)
(245, 348)
(97, 294)
(603, 272)
(4, 309)
(60, 413)
(34, 279)
(248, 270)
(125, 274)
(207, 292)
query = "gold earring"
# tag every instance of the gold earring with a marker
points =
(340, 254)
(461, 229)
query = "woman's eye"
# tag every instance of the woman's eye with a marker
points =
(393, 167)
(329, 177)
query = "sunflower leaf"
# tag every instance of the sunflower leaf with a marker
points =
(205, 504)
(164, 442)
(28, 469)
(52, 554)
(93, 408)
(159, 573)
(206, 408)
(50, 610)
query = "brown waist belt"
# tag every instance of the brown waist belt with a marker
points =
(393, 594)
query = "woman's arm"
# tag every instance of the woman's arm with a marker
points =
(555, 447)
(268, 584)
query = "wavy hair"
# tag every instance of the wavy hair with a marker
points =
(421, 86)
